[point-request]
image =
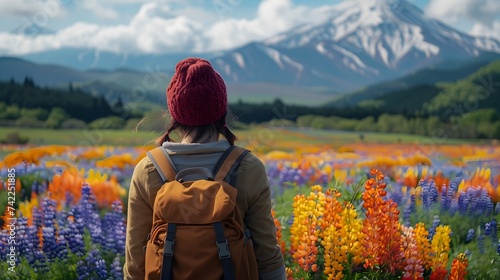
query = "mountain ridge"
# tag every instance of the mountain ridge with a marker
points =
(359, 44)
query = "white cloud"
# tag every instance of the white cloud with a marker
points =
(18, 7)
(484, 14)
(273, 16)
(100, 10)
(31, 9)
(158, 29)
(486, 31)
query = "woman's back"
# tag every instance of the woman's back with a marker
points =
(200, 124)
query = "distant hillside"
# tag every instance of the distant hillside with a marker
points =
(43, 74)
(129, 85)
(442, 73)
(479, 90)
(147, 87)
(75, 103)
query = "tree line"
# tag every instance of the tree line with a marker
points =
(28, 105)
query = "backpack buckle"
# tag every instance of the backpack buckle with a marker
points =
(223, 249)
(168, 248)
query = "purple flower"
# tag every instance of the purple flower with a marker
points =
(114, 229)
(40, 265)
(75, 236)
(37, 216)
(429, 193)
(116, 269)
(435, 224)
(480, 243)
(48, 229)
(87, 210)
(470, 235)
(95, 264)
(4, 237)
(410, 208)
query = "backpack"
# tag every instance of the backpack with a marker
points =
(197, 231)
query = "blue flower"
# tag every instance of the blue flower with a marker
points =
(96, 265)
(429, 193)
(470, 235)
(114, 229)
(116, 269)
(435, 224)
(410, 208)
(48, 229)
(480, 243)
(40, 265)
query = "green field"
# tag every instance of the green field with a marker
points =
(256, 136)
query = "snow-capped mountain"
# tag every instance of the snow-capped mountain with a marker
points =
(362, 42)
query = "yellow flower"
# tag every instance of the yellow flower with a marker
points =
(423, 244)
(26, 208)
(441, 246)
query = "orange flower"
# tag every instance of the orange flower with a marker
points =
(494, 190)
(32, 155)
(277, 224)
(459, 267)
(381, 228)
(70, 181)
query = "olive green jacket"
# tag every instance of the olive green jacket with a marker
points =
(253, 200)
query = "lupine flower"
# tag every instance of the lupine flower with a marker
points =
(75, 235)
(279, 239)
(352, 231)
(459, 267)
(104, 189)
(82, 270)
(438, 273)
(480, 243)
(424, 249)
(26, 207)
(114, 229)
(429, 193)
(435, 224)
(413, 268)
(408, 210)
(25, 245)
(441, 247)
(494, 189)
(470, 235)
(308, 212)
(41, 264)
(381, 226)
(96, 265)
(48, 229)
(334, 253)
(116, 269)
(4, 237)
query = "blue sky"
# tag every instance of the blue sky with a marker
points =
(145, 26)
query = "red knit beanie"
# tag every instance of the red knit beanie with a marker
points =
(197, 94)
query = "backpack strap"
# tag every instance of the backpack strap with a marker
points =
(228, 163)
(168, 253)
(163, 163)
(224, 253)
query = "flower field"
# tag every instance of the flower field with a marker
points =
(358, 211)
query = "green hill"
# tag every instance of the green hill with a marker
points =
(480, 90)
(443, 73)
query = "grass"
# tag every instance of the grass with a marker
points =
(261, 137)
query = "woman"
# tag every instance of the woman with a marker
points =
(197, 102)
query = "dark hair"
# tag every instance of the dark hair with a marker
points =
(210, 130)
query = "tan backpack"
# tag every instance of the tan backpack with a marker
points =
(198, 232)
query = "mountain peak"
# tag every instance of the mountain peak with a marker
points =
(367, 40)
